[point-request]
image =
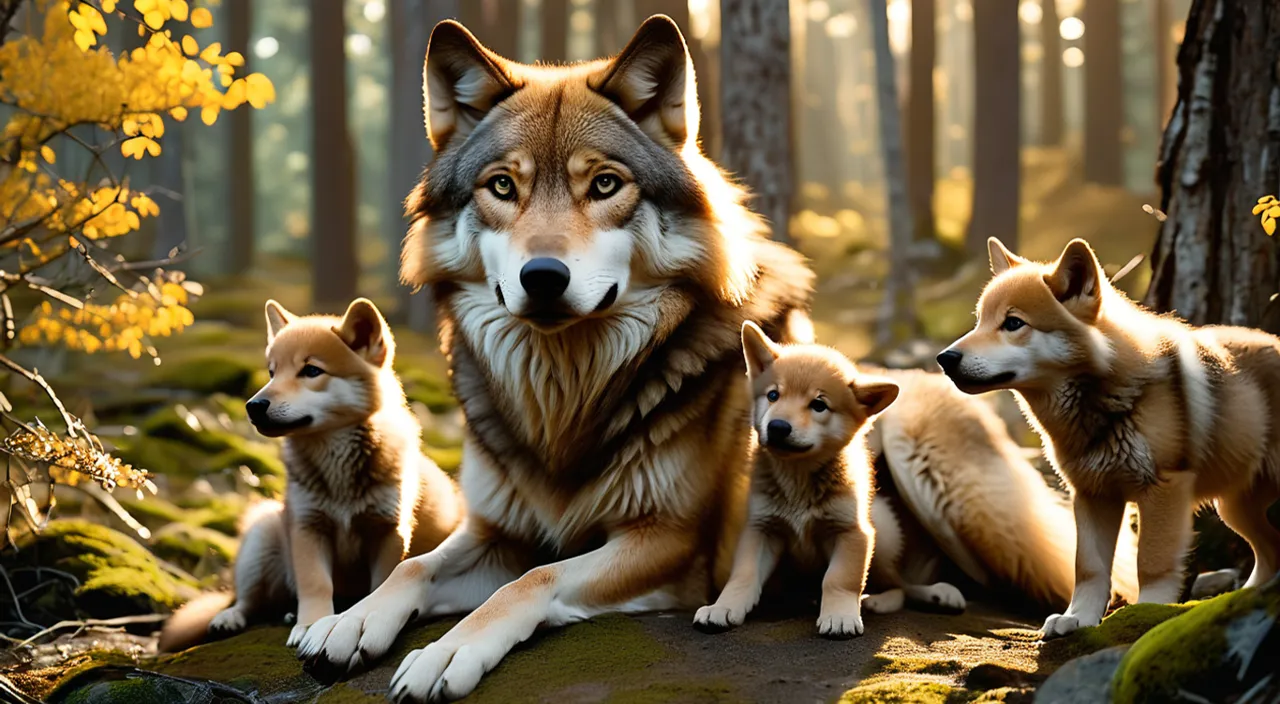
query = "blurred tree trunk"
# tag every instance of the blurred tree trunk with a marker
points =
(555, 30)
(241, 240)
(1103, 94)
(997, 125)
(334, 264)
(1051, 119)
(705, 66)
(755, 59)
(1166, 77)
(496, 23)
(172, 232)
(920, 128)
(1212, 262)
(897, 303)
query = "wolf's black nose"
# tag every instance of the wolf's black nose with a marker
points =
(777, 430)
(949, 360)
(544, 278)
(257, 410)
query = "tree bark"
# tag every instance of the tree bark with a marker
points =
(1221, 152)
(898, 288)
(496, 23)
(1051, 107)
(241, 239)
(997, 125)
(334, 264)
(1166, 77)
(1103, 94)
(755, 59)
(920, 127)
(555, 30)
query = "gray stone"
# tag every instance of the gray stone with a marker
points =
(1211, 584)
(1085, 680)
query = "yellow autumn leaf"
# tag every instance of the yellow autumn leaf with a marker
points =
(234, 97)
(1274, 212)
(144, 6)
(211, 52)
(84, 39)
(46, 152)
(1269, 226)
(201, 18)
(235, 58)
(258, 90)
(108, 5)
(209, 114)
(178, 10)
(189, 46)
(1261, 206)
(154, 19)
(179, 113)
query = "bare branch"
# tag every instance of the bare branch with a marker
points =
(34, 377)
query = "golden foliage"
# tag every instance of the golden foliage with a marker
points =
(1269, 208)
(124, 325)
(72, 459)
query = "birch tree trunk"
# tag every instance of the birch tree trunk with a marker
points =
(920, 128)
(897, 303)
(1103, 94)
(241, 240)
(755, 63)
(1051, 119)
(1221, 152)
(555, 30)
(997, 125)
(334, 264)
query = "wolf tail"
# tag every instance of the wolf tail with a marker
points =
(189, 625)
(973, 489)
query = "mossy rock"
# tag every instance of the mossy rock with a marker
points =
(208, 374)
(1124, 626)
(196, 549)
(905, 693)
(1217, 651)
(170, 445)
(118, 577)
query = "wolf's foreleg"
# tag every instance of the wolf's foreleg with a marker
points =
(753, 563)
(366, 631)
(1098, 522)
(1165, 513)
(634, 562)
(840, 615)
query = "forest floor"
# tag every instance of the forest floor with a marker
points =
(184, 420)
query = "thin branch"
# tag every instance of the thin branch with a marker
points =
(35, 378)
(94, 623)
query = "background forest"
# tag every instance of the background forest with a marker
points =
(885, 139)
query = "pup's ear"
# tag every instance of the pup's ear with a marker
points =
(365, 332)
(759, 350)
(652, 81)
(461, 82)
(1076, 279)
(874, 393)
(277, 318)
(1002, 259)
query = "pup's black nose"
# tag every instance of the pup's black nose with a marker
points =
(544, 279)
(257, 410)
(777, 431)
(949, 360)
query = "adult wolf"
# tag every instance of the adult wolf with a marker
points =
(591, 272)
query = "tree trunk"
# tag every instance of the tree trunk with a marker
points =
(920, 129)
(997, 125)
(705, 66)
(1051, 107)
(168, 173)
(1103, 94)
(1221, 152)
(555, 30)
(241, 239)
(898, 288)
(496, 23)
(1166, 77)
(755, 60)
(334, 264)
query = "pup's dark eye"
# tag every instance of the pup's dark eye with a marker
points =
(817, 405)
(310, 371)
(604, 185)
(502, 187)
(1012, 323)
(271, 372)
(773, 395)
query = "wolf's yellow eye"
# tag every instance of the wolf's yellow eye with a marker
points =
(502, 187)
(604, 185)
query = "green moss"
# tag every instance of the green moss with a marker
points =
(905, 693)
(1188, 649)
(256, 660)
(221, 513)
(343, 693)
(702, 692)
(151, 511)
(171, 445)
(208, 374)
(1126, 625)
(923, 666)
(117, 575)
(427, 389)
(448, 458)
(191, 546)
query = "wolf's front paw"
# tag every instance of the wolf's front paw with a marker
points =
(446, 670)
(228, 622)
(1059, 625)
(715, 618)
(840, 626)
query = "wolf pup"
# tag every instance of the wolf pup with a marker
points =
(1131, 406)
(811, 489)
(360, 495)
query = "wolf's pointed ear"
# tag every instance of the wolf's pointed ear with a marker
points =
(277, 318)
(461, 82)
(652, 81)
(759, 350)
(365, 332)
(874, 393)
(1076, 279)
(1002, 259)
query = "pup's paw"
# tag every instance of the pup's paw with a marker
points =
(885, 602)
(1059, 625)
(840, 626)
(228, 622)
(945, 596)
(296, 635)
(714, 618)
(444, 671)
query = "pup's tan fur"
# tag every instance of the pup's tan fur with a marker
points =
(812, 488)
(360, 495)
(605, 460)
(1131, 406)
